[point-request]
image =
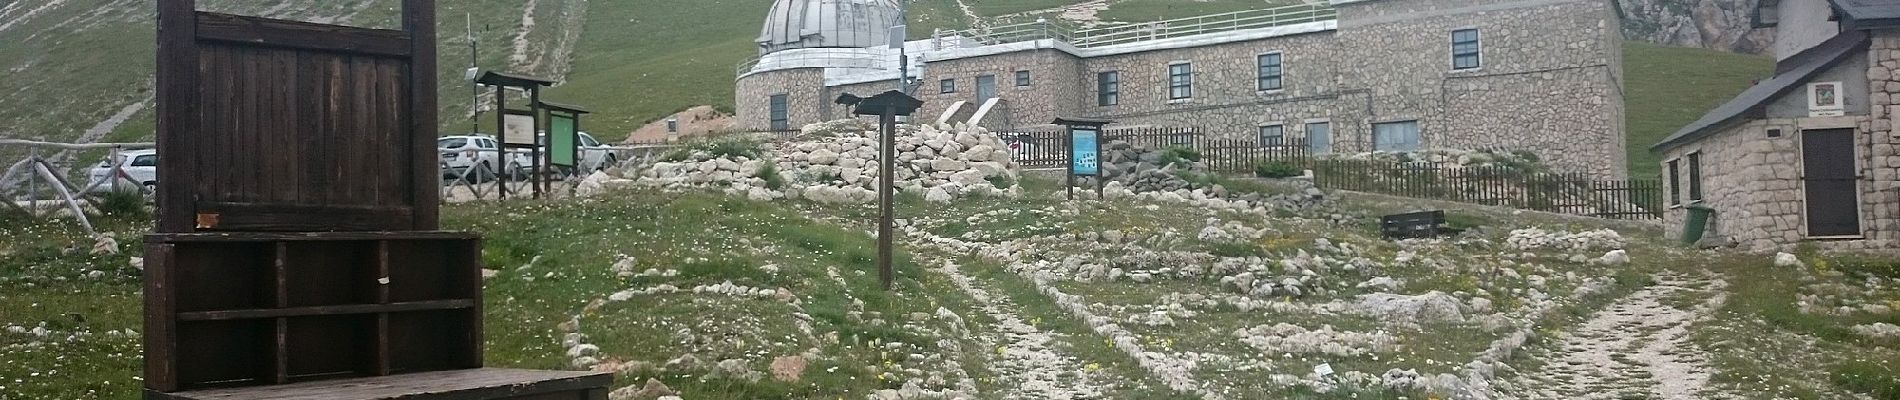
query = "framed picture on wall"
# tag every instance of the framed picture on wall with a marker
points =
(1824, 100)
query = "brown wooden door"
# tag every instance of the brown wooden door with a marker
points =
(1827, 165)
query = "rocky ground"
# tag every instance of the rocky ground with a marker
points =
(1177, 285)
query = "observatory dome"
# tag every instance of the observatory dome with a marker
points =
(799, 24)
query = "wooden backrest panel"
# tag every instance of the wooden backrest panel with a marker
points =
(273, 125)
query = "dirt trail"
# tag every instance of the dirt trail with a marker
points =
(1026, 357)
(9, 19)
(1636, 348)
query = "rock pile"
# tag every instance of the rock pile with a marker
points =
(1454, 158)
(1539, 239)
(838, 164)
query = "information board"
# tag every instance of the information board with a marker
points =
(1083, 161)
(561, 137)
(518, 129)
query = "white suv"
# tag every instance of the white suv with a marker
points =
(140, 168)
(592, 155)
(464, 152)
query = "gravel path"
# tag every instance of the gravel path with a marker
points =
(1026, 359)
(1636, 348)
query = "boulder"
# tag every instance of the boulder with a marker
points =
(1786, 260)
(1432, 306)
(823, 157)
(947, 165)
(938, 195)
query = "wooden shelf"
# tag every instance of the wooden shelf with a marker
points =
(256, 309)
(225, 315)
(484, 383)
(306, 236)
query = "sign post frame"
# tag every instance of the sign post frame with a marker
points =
(1085, 156)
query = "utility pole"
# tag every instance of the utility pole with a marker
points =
(898, 35)
(474, 89)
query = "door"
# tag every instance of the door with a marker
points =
(985, 88)
(1827, 165)
(1319, 138)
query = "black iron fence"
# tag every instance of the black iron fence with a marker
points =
(1051, 148)
(1576, 194)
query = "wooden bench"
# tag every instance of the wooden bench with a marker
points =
(484, 383)
(298, 251)
(1415, 225)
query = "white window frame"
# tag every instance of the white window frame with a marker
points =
(1452, 46)
(1257, 76)
(1169, 93)
(1259, 132)
(1673, 184)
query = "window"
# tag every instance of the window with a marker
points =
(1108, 88)
(985, 88)
(148, 160)
(1464, 49)
(1319, 137)
(1695, 176)
(672, 125)
(588, 140)
(1272, 135)
(1395, 136)
(1675, 183)
(779, 120)
(1022, 78)
(1180, 81)
(947, 86)
(1270, 71)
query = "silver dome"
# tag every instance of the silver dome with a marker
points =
(798, 24)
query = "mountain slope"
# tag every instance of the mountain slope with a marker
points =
(80, 70)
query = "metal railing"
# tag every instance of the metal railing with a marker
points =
(1105, 35)
(1216, 23)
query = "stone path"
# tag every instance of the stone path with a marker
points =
(1636, 348)
(1026, 358)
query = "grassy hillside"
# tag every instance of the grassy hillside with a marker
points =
(76, 63)
(1669, 87)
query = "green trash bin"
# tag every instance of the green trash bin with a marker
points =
(1696, 223)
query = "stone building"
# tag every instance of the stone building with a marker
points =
(1349, 76)
(1807, 155)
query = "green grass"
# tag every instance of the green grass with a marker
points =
(1666, 88)
(1004, 7)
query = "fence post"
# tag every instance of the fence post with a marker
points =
(32, 184)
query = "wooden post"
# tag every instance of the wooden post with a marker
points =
(887, 179)
(418, 19)
(501, 140)
(177, 109)
(534, 149)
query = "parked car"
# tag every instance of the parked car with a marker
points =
(463, 153)
(138, 167)
(592, 155)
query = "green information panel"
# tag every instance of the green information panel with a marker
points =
(562, 136)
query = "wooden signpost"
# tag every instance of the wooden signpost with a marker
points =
(297, 253)
(519, 135)
(1085, 151)
(887, 106)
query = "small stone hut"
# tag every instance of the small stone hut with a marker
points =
(1807, 155)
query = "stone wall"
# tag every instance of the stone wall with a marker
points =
(804, 90)
(1551, 81)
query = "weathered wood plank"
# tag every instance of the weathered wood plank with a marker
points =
(274, 217)
(307, 236)
(260, 31)
(469, 384)
(261, 313)
(418, 19)
(160, 329)
(177, 111)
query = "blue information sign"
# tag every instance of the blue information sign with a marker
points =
(1083, 160)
